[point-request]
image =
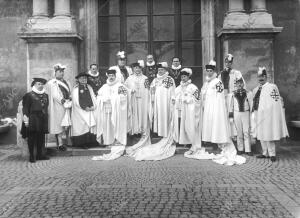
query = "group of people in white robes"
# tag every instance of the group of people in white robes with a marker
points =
(133, 101)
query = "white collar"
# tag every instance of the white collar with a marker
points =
(176, 68)
(93, 75)
(162, 76)
(111, 83)
(150, 64)
(37, 91)
(186, 83)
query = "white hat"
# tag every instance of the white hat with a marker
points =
(121, 54)
(262, 71)
(211, 65)
(229, 57)
(142, 63)
(59, 66)
(162, 65)
(186, 71)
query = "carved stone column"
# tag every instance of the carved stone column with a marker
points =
(62, 8)
(236, 16)
(260, 17)
(40, 8)
(208, 32)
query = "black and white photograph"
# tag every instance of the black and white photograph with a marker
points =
(150, 108)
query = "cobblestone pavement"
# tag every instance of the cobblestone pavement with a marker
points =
(176, 187)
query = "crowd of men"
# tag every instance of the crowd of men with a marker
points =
(152, 98)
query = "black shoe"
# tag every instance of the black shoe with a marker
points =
(43, 158)
(273, 158)
(239, 152)
(261, 156)
(62, 148)
(249, 153)
(32, 160)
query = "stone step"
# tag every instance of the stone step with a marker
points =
(75, 151)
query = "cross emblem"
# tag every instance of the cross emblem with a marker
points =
(196, 94)
(219, 87)
(147, 84)
(168, 82)
(122, 90)
(275, 95)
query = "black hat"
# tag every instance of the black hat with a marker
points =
(81, 75)
(211, 65)
(186, 71)
(111, 71)
(136, 64)
(41, 80)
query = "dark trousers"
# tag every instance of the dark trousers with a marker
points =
(36, 145)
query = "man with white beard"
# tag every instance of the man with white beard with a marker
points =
(161, 110)
(112, 115)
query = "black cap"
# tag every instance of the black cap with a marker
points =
(41, 80)
(111, 72)
(136, 64)
(81, 75)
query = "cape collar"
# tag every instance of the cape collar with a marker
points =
(150, 64)
(176, 68)
(186, 83)
(37, 91)
(93, 75)
(162, 76)
(111, 83)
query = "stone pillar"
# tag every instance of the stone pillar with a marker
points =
(62, 20)
(236, 16)
(236, 6)
(260, 18)
(91, 32)
(40, 8)
(62, 8)
(207, 32)
(258, 5)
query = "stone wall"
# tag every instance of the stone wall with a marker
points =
(13, 15)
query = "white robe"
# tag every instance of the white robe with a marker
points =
(162, 92)
(162, 109)
(56, 109)
(83, 121)
(139, 104)
(215, 117)
(119, 76)
(112, 117)
(269, 122)
(187, 108)
(215, 126)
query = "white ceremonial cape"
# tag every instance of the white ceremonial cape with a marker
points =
(83, 121)
(139, 103)
(57, 112)
(162, 91)
(112, 117)
(187, 107)
(119, 75)
(215, 126)
(144, 150)
(268, 121)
